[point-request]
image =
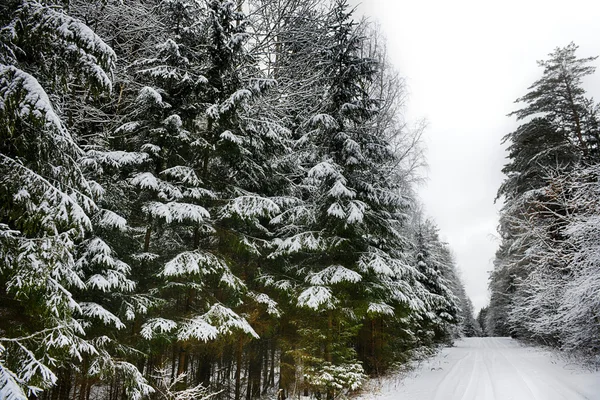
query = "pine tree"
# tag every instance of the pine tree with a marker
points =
(560, 97)
(534, 260)
(536, 151)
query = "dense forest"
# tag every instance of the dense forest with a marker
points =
(546, 282)
(215, 199)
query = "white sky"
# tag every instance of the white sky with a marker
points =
(466, 61)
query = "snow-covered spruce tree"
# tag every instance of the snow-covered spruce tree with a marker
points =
(450, 313)
(437, 268)
(536, 260)
(288, 41)
(51, 263)
(553, 303)
(533, 247)
(341, 248)
(168, 197)
(200, 196)
(468, 324)
(245, 168)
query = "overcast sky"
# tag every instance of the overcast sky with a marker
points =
(466, 61)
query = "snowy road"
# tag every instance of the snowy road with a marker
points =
(492, 369)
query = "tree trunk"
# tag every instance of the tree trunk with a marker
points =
(181, 361)
(205, 368)
(254, 370)
(238, 369)
(576, 118)
(287, 373)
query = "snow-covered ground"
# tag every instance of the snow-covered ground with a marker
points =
(491, 369)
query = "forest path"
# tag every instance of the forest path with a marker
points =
(492, 369)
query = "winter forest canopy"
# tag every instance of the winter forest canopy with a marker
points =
(210, 199)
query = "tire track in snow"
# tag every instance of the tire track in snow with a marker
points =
(449, 381)
(562, 389)
(494, 385)
(556, 383)
(473, 390)
(493, 369)
(512, 371)
(488, 383)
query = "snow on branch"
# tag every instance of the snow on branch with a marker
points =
(64, 208)
(146, 180)
(380, 309)
(156, 326)
(93, 310)
(198, 193)
(197, 328)
(237, 98)
(150, 96)
(11, 386)
(249, 207)
(325, 170)
(414, 296)
(68, 35)
(294, 215)
(115, 159)
(111, 220)
(305, 241)
(332, 275)
(317, 296)
(325, 121)
(7, 233)
(356, 212)
(36, 372)
(227, 320)
(262, 298)
(336, 210)
(340, 191)
(231, 137)
(183, 174)
(338, 377)
(194, 262)
(382, 264)
(218, 320)
(113, 273)
(352, 149)
(164, 72)
(232, 281)
(21, 96)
